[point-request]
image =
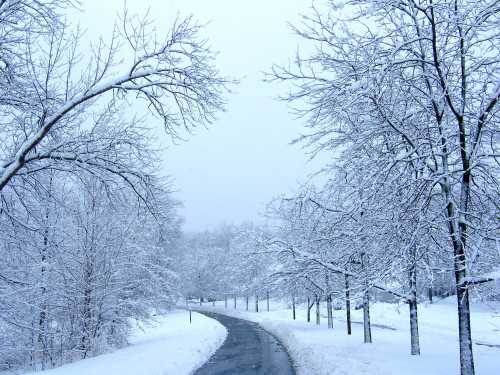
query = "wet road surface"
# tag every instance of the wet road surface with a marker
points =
(248, 350)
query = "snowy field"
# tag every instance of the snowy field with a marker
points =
(171, 346)
(319, 351)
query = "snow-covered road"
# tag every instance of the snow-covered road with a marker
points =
(248, 350)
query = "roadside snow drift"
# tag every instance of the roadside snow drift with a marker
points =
(171, 346)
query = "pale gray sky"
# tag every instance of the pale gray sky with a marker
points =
(230, 171)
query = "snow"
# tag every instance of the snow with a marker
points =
(320, 351)
(171, 346)
(493, 275)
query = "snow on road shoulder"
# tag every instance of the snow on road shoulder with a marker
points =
(321, 351)
(171, 346)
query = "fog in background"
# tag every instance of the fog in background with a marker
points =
(229, 172)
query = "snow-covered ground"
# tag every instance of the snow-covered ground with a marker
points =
(171, 346)
(318, 350)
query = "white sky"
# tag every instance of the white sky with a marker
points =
(229, 172)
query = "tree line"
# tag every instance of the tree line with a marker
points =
(402, 96)
(86, 221)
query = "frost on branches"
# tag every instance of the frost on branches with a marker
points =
(87, 226)
(406, 93)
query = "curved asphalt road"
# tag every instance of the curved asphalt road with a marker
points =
(248, 350)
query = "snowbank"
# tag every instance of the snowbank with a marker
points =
(320, 351)
(171, 346)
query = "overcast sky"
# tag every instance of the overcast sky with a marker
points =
(230, 171)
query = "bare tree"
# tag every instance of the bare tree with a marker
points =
(423, 73)
(173, 76)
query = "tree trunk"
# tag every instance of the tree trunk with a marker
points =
(33, 363)
(367, 330)
(309, 307)
(235, 301)
(348, 304)
(464, 332)
(256, 303)
(42, 318)
(267, 300)
(87, 318)
(415, 344)
(458, 234)
(293, 308)
(329, 310)
(246, 300)
(460, 269)
(317, 310)
(329, 313)
(42, 337)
